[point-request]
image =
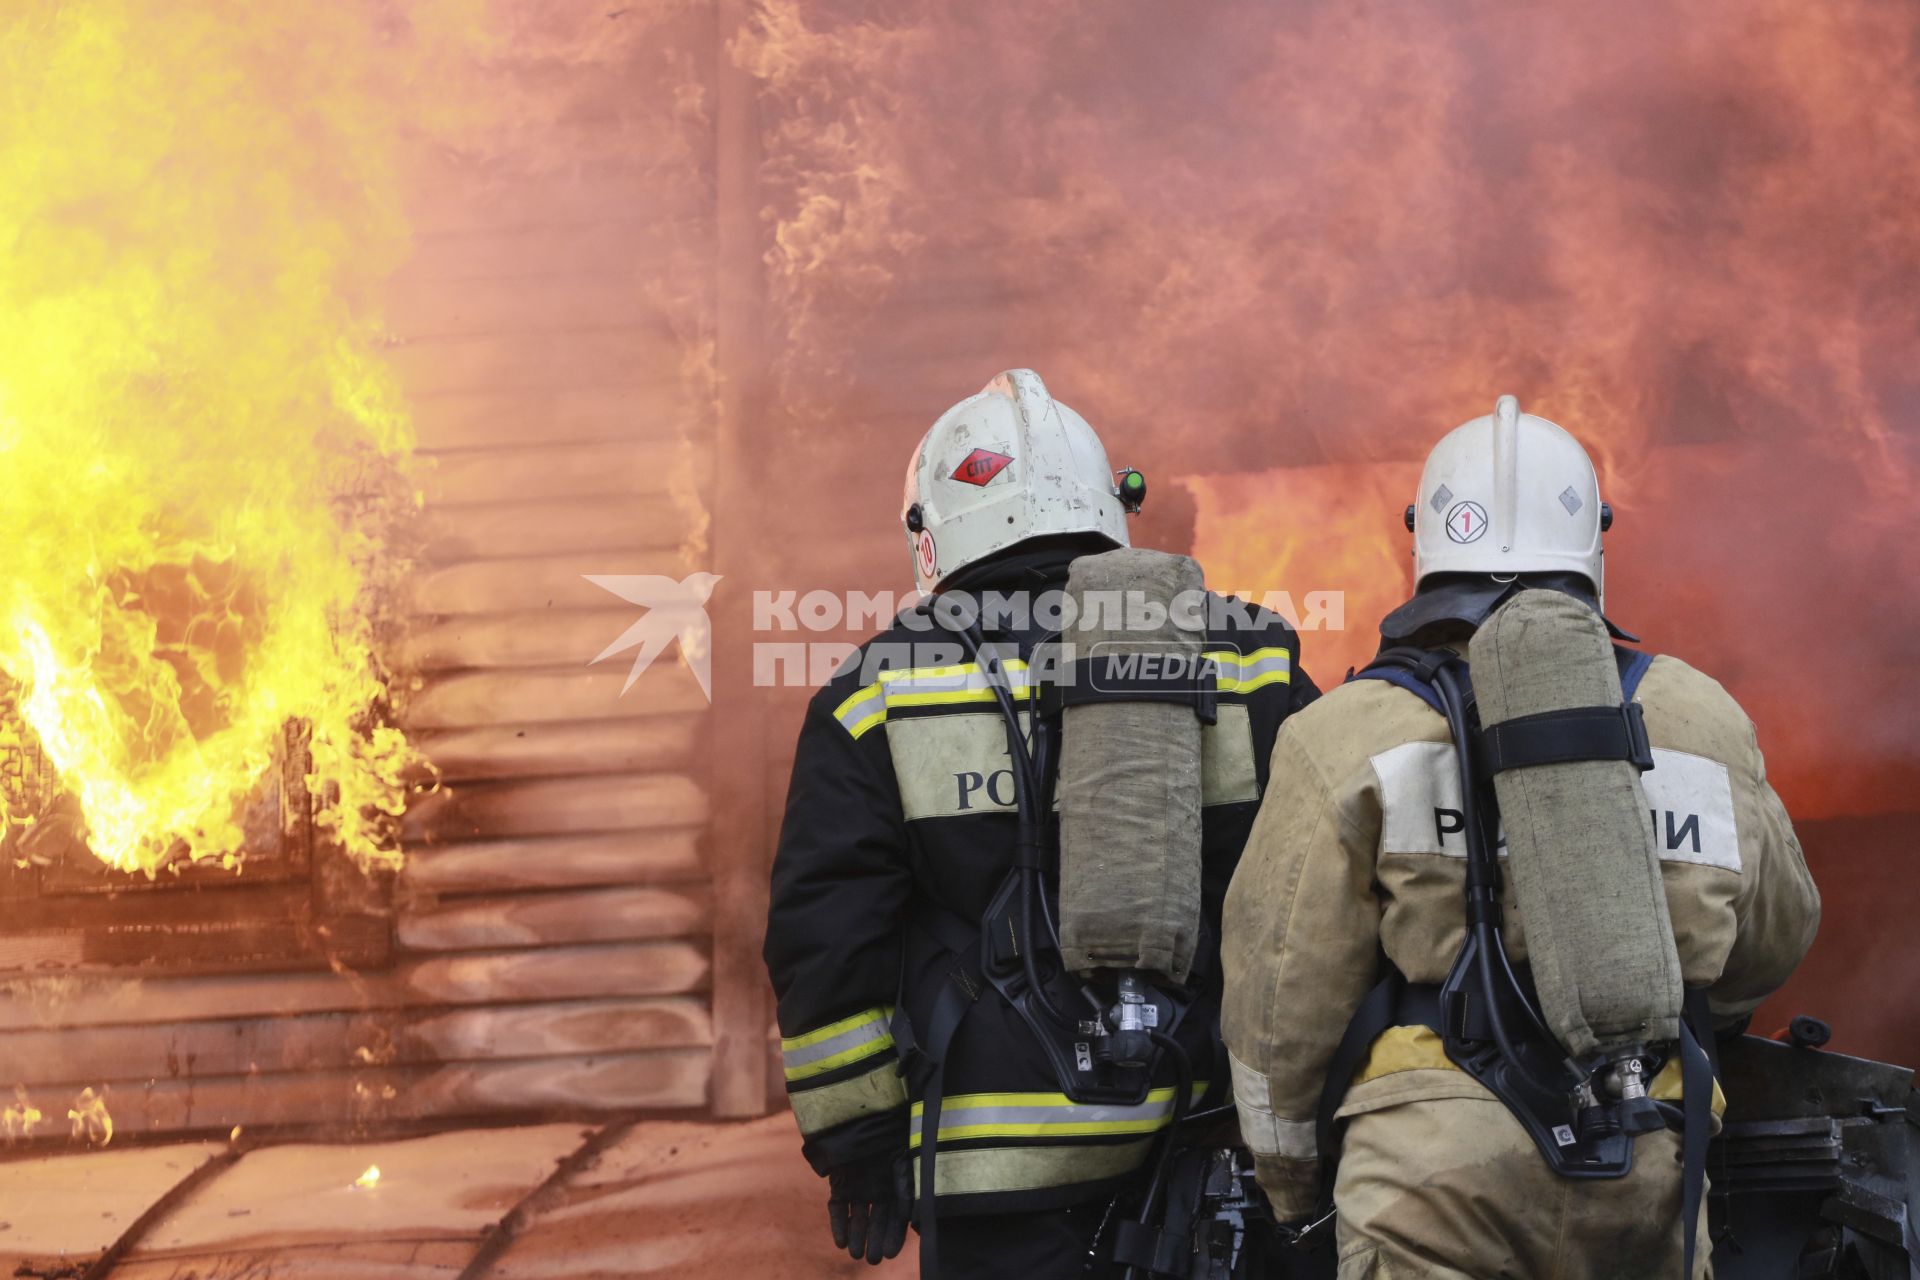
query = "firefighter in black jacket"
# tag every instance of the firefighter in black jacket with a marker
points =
(901, 807)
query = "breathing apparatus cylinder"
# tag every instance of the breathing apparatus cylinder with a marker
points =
(1129, 778)
(1580, 852)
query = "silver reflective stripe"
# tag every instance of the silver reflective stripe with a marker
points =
(836, 1050)
(862, 711)
(1265, 670)
(1243, 673)
(1265, 1133)
(980, 1171)
(817, 1109)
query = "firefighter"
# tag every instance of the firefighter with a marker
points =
(900, 825)
(1352, 895)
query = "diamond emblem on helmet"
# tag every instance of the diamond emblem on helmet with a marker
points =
(1571, 501)
(1441, 497)
(980, 467)
(1467, 522)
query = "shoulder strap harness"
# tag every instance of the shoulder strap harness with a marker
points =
(1484, 1012)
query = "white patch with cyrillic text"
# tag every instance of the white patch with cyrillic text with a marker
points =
(950, 765)
(1690, 799)
(956, 764)
(1420, 799)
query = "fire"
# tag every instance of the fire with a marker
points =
(90, 1118)
(18, 1119)
(371, 1178)
(1310, 239)
(1249, 546)
(202, 446)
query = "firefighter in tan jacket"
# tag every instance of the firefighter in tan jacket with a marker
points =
(1357, 863)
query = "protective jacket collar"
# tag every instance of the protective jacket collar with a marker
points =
(1039, 563)
(1469, 599)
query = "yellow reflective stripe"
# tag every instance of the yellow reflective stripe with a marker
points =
(1045, 1115)
(1262, 679)
(1254, 656)
(836, 1045)
(1244, 672)
(960, 683)
(964, 1101)
(820, 1066)
(863, 710)
(1421, 1049)
(1049, 1129)
(1021, 693)
(1240, 673)
(948, 672)
(860, 726)
(879, 1013)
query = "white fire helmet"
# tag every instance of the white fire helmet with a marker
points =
(1000, 467)
(1507, 494)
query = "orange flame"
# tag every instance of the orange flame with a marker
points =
(1310, 529)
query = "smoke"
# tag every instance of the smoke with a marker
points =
(1245, 238)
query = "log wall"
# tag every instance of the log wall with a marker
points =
(554, 944)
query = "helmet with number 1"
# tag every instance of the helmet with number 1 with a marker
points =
(1508, 494)
(1000, 467)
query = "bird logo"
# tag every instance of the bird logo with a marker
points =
(673, 609)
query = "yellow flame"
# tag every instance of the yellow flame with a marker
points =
(371, 1178)
(200, 443)
(90, 1118)
(18, 1119)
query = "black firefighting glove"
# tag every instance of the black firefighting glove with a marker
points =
(869, 1204)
